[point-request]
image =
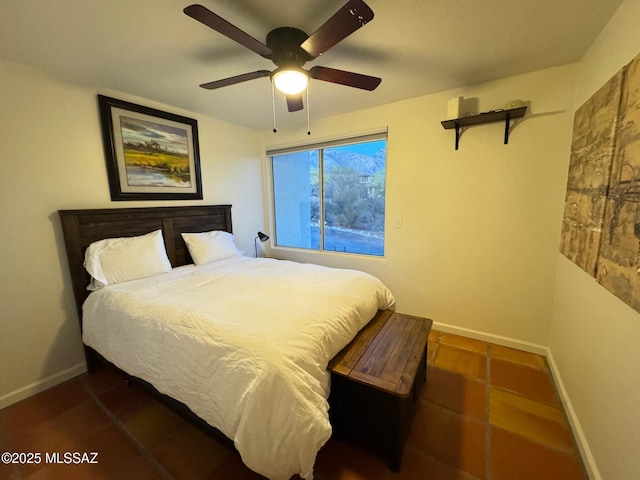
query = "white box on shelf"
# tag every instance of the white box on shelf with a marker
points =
(453, 108)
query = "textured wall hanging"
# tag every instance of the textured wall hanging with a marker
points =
(601, 224)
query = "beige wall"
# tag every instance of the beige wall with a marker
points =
(478, 246)
(52, 158)
(594, 337)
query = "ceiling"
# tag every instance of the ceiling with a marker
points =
(151, 49)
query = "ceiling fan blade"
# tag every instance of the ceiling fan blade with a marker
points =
(294, 102)
(220, 25)
(350, 79)
(236, 79)
(353, 15)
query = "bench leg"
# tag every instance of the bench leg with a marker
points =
(395, 458)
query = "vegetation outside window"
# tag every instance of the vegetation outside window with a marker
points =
(331, 196)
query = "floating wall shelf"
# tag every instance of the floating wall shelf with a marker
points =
(489, 117)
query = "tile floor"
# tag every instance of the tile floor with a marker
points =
(487, 412)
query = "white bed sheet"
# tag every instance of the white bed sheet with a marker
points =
(245, 343)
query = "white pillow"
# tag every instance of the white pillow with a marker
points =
(116, 260)
(207, 247)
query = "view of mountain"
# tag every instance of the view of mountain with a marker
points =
(366, 164)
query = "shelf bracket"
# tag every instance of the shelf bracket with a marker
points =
(457, 135)
(507, 125)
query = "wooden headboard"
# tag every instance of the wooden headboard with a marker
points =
(82, 227)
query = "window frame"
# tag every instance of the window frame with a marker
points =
(320, 147)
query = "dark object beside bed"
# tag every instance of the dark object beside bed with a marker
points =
(376, 382)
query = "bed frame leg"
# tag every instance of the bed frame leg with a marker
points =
(92, 359)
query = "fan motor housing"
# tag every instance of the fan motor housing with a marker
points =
(285, 43)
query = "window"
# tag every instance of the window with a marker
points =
(331, 197)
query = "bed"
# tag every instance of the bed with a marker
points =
(239, 344)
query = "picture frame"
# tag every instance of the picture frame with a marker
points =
(150, 154)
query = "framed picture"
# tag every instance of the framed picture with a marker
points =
(150, 154)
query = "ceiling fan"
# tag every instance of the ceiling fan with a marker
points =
(290, 48)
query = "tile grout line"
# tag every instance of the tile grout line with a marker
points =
(436, 346)
(143, 451)
(487, 431)
(560, 450)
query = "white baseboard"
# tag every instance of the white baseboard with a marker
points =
(497, 339)
(578, 433)
(41, 385)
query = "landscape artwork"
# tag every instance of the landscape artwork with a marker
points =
(150, 154)
(601, 225)
(155, 154)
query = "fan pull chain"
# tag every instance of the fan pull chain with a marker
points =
(308, 126)
(273, 107)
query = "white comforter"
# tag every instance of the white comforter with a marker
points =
(244, 343)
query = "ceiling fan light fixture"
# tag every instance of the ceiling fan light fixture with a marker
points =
(290, 81)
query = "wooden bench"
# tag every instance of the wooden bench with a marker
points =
(376, 382)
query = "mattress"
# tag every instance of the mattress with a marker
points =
(244, 343)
